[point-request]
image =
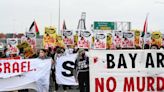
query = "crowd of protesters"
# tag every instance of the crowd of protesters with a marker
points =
(81, 64)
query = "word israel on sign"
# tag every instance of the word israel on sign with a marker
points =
(126, 71)
(25, 74)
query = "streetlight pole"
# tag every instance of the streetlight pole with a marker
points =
(59, 19)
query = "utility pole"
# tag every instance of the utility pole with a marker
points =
(59, 19)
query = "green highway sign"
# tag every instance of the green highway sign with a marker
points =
(99, 25)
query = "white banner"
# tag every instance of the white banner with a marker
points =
(24, 74)
(126, 71)
(64, 69)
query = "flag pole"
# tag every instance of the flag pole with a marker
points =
(146, 30)
(59, 19)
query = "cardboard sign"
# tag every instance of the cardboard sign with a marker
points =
(84, 39)
(68, 37)
(128, 40)
(12, 45)
(156, 39)
(31, 39)
(148, 39)
(118, 39)
(49, 37)
(110, 42)
(100, 41)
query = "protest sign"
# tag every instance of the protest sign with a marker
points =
(110, 42)
(12, 45)
(31, 39)
(49, 37)
(84, 39)
(100, 41)
(24, 74)
(128, 40)
(126, 71)
(117, 39)
(68, 37)
(64, 69)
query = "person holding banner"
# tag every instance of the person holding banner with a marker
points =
(59, 53)
(69, 50)
(43, 84)
(82, 70)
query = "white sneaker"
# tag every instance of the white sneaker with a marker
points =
(65, 91)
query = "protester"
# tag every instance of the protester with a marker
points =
(69, 50)
(41, 85)
(82, 71)
(59, 52)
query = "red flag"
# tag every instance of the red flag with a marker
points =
(145, 26)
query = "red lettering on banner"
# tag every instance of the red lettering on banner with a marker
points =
(128, 85)
(7, 67)
(23, 66)
(108, 84)
(15, 67)
(99, 85)
(150, 82)
(29, 68)
(131, 84)
(141, 86)
(160, 80)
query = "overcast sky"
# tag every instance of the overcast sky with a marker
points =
(17, 15)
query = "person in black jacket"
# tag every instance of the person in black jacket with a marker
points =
(82, 71)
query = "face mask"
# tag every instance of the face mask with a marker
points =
(7, 54)
(59, 55)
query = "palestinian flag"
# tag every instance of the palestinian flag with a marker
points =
(34, 28)
(145, 27)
